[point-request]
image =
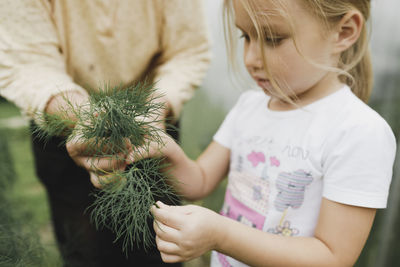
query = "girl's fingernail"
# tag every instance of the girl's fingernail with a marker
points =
(159, 203)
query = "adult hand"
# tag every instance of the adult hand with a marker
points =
(185, 232)
(101, 169)
(66, 105)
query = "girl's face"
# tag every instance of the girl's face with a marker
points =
(291, 64)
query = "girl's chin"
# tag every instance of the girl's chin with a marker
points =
(267, 92)
(275, 96)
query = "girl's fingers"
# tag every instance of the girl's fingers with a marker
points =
(165, 232)
(167, 247)
(137, 154)
(187, 209)
(167, 216)
(143, 152)
(168, 258)
(152, 148)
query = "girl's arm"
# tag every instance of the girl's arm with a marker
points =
(187, 232)
(196, 179)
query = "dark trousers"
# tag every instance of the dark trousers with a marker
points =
(69, 193)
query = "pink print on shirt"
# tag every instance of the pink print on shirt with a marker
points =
(255, 158)
(236, 210)
(274, 161)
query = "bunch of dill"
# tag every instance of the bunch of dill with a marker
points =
(113, 118)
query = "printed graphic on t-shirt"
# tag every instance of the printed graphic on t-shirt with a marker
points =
(238, 211)
(250, 191)
(249, 197)
(291, 189)
(284, 229)
(256, 157)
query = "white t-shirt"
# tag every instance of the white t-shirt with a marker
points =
(283, 162)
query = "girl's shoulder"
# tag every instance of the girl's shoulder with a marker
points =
(353, 120)
(344, 109)
(355, 112)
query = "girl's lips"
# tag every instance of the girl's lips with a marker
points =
(263, 83)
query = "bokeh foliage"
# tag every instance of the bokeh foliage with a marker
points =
(19, 244)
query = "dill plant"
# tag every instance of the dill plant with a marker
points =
(115, 121)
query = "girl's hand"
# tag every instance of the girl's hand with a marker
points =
(161, 148)
(185, 232)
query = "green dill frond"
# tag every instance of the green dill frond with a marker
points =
(115, 116)
(48, 125)
(125, 208)
(114, 121)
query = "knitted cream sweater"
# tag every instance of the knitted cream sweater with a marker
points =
(51, 46)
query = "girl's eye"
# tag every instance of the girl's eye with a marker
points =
(273, 41)
(245, 37)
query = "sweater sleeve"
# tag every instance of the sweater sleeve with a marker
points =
(32, 67)
(185, 54)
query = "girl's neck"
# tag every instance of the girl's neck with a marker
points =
(328, 85)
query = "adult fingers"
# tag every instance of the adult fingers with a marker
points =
(95, 180)
(108, 163)
(99, 181)
(75, 147)
(101, 164)
(79, 146)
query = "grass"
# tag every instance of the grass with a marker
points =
(8, 110)
(200, 119)
(28, 195)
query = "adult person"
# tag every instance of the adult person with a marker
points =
(56, 51)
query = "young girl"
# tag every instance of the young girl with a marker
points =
(308, 161)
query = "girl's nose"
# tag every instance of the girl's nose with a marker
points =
(252, 56)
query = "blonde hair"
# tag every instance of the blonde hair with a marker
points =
(354, 67)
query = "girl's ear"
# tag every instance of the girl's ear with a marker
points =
(348, 30)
